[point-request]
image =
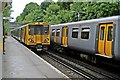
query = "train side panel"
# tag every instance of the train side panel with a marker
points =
(117, 40)
(97, 37)
(85, 40)
(56, 34)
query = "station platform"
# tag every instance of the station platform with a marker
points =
(20, 62)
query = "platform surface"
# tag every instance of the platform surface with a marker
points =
(20, 62)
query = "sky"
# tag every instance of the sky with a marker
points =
(19, 5)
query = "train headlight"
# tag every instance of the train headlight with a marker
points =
(46, 40)
(31, 40)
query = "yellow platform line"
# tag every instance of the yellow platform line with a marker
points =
(1, 36)
(1, 46)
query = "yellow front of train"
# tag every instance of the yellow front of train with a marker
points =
(38, 35)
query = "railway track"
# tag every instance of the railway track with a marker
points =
(95, 67)
(76, 69)
(68, 65)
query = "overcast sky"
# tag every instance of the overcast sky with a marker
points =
(19, 5)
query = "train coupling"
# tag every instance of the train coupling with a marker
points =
(39, 47)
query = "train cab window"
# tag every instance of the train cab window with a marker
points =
(102, 33)
(31, 30)
(58, 33)
(75, 32)
(110, 33)
(37, 29)
(45, 30)
(53, 32)
(85, 33)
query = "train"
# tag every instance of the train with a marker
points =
(35, 35)
(91, 38)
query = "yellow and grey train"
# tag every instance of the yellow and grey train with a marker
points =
(35, 35)
(92, 38)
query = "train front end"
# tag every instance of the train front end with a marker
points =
(39, 36)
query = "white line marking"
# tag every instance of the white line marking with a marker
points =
(43, 60)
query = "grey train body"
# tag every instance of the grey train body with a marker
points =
(90, 45)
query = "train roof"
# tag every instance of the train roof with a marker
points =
(19, 27)
(100, 20)
(33, 23)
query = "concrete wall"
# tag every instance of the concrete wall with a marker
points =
(1, 40)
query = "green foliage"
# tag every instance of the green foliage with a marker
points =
(30, 8)
(28, 13)
(19, 19)
(94, 10)
(62, 12)
(51, 13)
(45, 4)
(53, 8)
(65, 4)
(65, 16)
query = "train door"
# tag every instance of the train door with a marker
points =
(105, 40)
(26, 34)
(64, 40)
(55, 39)
(54, 35)
(23, 35)
(38, 33)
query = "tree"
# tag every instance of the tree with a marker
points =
(64, 4)
(51, 13)
(30, 8)
(20, 18)
(69, 11)
(27, 13)
(78, 8)
(35, 16)
(65, 16)
(88, 10)
(45, 4)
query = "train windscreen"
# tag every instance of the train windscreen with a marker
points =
(38, 29)
(45, 30)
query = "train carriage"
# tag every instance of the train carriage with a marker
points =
(35, 35)
(96, 37)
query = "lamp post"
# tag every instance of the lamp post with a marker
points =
(5, 18)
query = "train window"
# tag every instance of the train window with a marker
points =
(37, 29)
(75, 33)
(31, 30)
(110, 33)
(45, 30)
(53, 32)
(102, 33)
(22, 32)
(85, 33)
(58, 32)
